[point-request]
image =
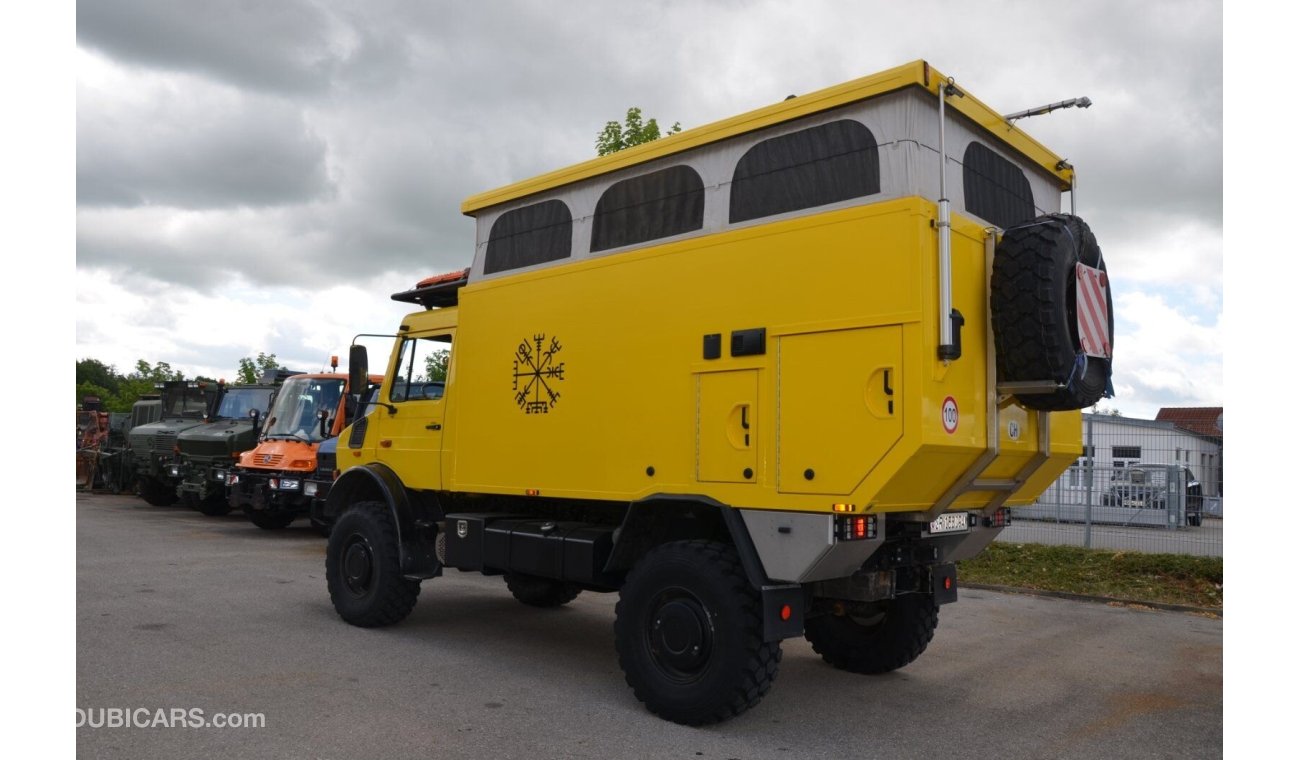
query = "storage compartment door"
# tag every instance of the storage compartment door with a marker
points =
(839, 407)
(727, 427)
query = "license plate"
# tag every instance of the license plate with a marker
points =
(1135, 503)
(950, 522)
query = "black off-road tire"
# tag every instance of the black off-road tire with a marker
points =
(363, 570)
(541, 592)
(1035, 324)
(157, 493)
(215, 505)
(689, 633)
(270, 520)
(894, 637)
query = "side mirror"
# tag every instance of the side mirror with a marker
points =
(256, 417)
(358, 370)
(323, 416)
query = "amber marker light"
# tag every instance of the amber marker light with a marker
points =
(845, 507)
(532, 492)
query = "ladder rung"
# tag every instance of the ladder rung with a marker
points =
(1030, 386)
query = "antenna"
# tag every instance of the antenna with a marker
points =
(1082, 102)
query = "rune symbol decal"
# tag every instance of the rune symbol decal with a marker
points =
(536, 373)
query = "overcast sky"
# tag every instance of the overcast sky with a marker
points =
(261, 176)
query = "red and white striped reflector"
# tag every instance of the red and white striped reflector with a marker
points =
(1090, 308)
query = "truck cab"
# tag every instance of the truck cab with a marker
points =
(267, 483)
(184, 405)
(207, 452)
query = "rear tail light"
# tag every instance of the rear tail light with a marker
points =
(999, 519)
(855, 527)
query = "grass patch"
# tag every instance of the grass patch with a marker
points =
(1161, 578)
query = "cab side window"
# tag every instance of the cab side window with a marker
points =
(422, 369)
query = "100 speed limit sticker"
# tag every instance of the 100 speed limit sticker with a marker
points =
(950, 415)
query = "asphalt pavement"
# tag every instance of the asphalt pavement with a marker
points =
(181, 612)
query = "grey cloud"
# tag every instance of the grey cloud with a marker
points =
(196, 152)
(286, 46)
(365, 125)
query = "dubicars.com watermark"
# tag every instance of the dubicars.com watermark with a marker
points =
(165, 717)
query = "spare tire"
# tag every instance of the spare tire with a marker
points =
(1035, 325)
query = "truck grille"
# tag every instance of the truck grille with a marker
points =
(207, 448)
(162, 441)
(267, 460)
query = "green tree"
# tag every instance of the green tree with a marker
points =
(96, 373)
(435, 366)
(119, 392)
(142, 382)
(251, 369)
(615, 137)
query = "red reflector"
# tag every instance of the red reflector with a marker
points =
(947, 584)
(786, 612)
(859, 527)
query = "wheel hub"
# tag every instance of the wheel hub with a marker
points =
(681, 637)
(358, 566)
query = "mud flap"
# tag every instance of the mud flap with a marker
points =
(943, 583)
(783, 611)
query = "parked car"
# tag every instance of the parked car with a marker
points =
(1146, 486)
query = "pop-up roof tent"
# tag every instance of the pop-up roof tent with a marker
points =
(866, 141)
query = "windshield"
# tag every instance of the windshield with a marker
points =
(238, 402)
(184, 402)
(300, 398)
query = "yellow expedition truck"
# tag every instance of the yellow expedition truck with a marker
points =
(773, 376)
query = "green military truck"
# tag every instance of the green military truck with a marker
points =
(185, 404)
(208, 451)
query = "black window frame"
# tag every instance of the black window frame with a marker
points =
(1126, 452)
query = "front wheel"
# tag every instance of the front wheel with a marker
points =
(213, 505)
(689, 634)
(157, 493)
(878, 639)
(363, 570)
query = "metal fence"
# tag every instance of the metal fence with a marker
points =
(1140, 486)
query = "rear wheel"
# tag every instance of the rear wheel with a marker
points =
(270, 520)
(363, 569)
(878, 638)
(157, 493)
(689, 634)
(541, 592)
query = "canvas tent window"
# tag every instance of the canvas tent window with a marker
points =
(996, 189)
(529, 235)
(812, 167)
(656, 205)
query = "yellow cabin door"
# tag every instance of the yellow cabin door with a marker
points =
(412, 429)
